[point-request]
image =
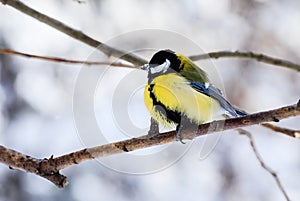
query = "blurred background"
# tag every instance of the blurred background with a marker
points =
(37, 99)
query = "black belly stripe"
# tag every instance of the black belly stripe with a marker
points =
(162, 109)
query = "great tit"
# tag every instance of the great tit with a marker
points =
(178, 92)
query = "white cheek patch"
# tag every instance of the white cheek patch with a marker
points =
(161, 68)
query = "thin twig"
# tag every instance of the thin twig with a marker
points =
(109, 51)
(215, 55)
(62, 60)
(286, 131)
(79, 1)
(263, 164)
(250, 55)
(132, 58)
(52, 166)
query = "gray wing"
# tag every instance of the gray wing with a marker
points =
(216, 93)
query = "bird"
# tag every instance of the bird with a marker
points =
(179, 93)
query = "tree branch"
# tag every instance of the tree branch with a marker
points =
(134, 59)
(286, 131)
(49, 168)
(16, 160)
(62, 60)
(109, 51)
(263, 164)
(216, 55)
(250, 55)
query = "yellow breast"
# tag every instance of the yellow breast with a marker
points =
(175, 93)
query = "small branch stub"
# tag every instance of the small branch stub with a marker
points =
(16, 160)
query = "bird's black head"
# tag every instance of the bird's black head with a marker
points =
(162, 56)
(164, 61)
(167, 61)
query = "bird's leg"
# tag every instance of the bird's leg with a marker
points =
(178, 133)
(184, 123)
(154, 129)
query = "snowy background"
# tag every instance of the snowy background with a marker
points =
(37, 99)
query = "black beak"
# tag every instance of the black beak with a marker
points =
(145, 67)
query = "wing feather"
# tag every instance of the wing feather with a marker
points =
(216, 93)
